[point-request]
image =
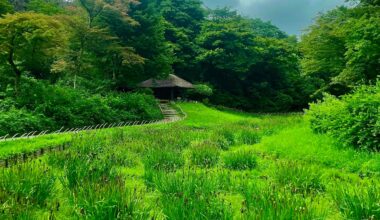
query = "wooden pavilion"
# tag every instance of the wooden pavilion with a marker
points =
(168, 88)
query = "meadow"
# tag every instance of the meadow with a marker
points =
(213, 165)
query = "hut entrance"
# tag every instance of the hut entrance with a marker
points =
(170, 88)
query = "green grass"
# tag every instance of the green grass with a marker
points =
(8, 148)
(213, 165)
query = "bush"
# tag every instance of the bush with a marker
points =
(354, 119)
(41, 106)
(200, 92)
(240, 160)
(20, 121)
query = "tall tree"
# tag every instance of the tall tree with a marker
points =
(5, 7)
(183, 24)
(27, 38)
(342, 49)
(251, 64)
(147, 38)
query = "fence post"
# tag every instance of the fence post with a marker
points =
(23, 135)
(59, 131)
(34, 133)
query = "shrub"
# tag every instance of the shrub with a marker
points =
(354, 119)
(22, 121)
(41, 106)
(200, 91)
(240, 160)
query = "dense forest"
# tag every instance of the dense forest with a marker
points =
(75, 63)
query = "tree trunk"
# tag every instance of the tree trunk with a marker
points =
(75, 81)
(16, 71)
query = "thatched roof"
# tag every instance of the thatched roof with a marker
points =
(170, 82)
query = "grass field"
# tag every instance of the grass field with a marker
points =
(213, 165)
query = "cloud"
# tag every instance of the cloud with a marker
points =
(292, 16)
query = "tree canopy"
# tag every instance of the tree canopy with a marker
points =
(103, 46)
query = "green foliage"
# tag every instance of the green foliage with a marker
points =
(20, 121)
(49, 7)
(353, 119)
(240, 160)
(183, 20)
(342, 48)
(226, 41)
(40, 106)
(5, 7)
(30, 41)
(200, 92)
(203, 90)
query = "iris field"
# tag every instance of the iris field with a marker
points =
(213, 165)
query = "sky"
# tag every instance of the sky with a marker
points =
(291, 16)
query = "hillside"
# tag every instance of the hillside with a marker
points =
(213, 165)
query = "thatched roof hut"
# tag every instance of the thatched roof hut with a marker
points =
(170, 82)
(168, 88)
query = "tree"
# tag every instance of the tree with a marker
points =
(25, 37)
(267, 29)
(5, 7)
(227, 43)
(251, 64)
(342, 49)
(183, 25)
(147, 38)
(49, 7)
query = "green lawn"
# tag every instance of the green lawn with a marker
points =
(213, 165)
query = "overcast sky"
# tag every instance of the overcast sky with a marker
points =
(292, 16)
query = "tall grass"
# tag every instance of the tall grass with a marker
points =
(361, 201)
(204, 155)
(191, 195)
(269, 201)
(241, 167)
(240, 160)
(298, 177)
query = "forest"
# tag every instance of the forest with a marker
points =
(96, 51)
(277, 126)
